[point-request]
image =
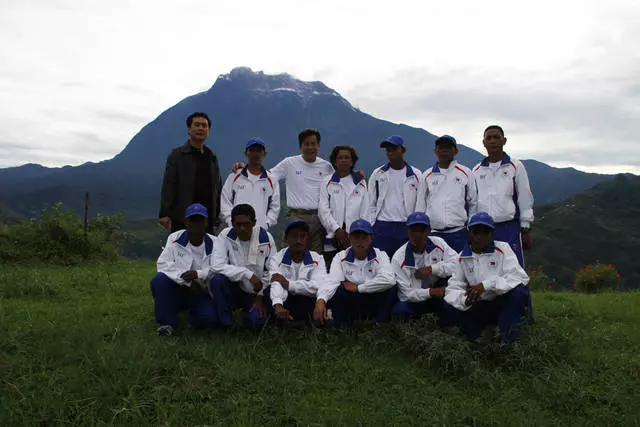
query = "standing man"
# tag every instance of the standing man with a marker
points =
(304, 174)
(191, 175)
(504, 192)
(393, 191)
(184, 270)
(422, 267)
(448, 194)
(252, 185)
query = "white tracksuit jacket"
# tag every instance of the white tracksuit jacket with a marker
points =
(263, 195)
(504, 193)
(449, 199)
(497, 269)
(230, 259)
(379, 184)
(375, 275)
(176, 259)
(306, 281)
(337, 208)
(440, 257)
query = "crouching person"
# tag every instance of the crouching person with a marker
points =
(184, 270)
(240, 260)
(296, 273)
(422, 268)
(488, 286)
(361, 283)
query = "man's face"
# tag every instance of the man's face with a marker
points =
(445, 152)
(243, 225)
(480, 237)
(494, 141)
(344, 162)
(196, 226)
(418, 234)
(297, 239)
(394, 153)
(360, 242)
(199, 129)
(310, 148)
(255, 154)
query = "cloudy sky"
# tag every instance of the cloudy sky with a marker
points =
(79, 79)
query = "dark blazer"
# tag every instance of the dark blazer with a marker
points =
(178, 186)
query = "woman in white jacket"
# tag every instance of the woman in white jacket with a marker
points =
(343, 199)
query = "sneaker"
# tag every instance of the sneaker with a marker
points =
(165, 330)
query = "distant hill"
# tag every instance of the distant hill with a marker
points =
(601, 224)
(243, 104)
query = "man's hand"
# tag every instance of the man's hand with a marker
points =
(282, 313)
(189, 276)
(280, 279)
(237, 165)
(423, 273)
(473, 294)
(256, 283)
(196, 289)
(165, 221)
(260, 305)
(437, 292)
(320, 311)
(342, 238)
(350, 286)
(527, 241)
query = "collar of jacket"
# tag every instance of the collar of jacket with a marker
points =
(187, 148)
(263, 237)
(505, 161)
(436, 168)
(356, 177)
(351, 256)
(387, 165)
(183, 241)
(409, 259)
(307, 259)
(468, 253)
(245, 172)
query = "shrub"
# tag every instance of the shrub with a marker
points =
(539, 280)
(58, 238)
(596, 278)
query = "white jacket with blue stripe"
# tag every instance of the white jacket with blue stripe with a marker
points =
(379, 185)
(305, 281)
(176, 258)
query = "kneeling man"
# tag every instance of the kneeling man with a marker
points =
(422, 267)
(240, 261)
(361, 283)
(184, 270)
(489, 286)
(296, 273)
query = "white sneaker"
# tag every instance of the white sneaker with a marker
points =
(165, 330)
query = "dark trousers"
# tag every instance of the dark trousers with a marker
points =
(169, 298)
(509, 231)
(227, 296)
(506, 311)
(300, 307)
(389, 236)
(347, 306)
(456, 240)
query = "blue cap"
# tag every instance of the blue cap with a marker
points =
(196, 209)
(418, 218)
(361, 225)
(395, 140)
(481, 218)
(296, 223)
(255, 141)
(446, 138)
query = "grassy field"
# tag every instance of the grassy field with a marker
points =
(78, 347)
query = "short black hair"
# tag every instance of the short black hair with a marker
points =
(308, 132)
(493, 127)
(197, 114)
(243, 209)
(336, 150)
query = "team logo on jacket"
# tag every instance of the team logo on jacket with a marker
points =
(482, 176)
(241, 186)
(505, 173)
(298, 172)
(435, 182)
(458, 180)
(434, 259)
(370, 270)
(492, 264)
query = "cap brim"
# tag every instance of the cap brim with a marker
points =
(482, 224)
(409, 224)
(196, 214)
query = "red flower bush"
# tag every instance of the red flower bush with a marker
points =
(539, 280)
(597, 278)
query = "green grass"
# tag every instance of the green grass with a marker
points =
(78, 347)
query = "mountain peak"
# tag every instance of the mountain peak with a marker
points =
(269, 84)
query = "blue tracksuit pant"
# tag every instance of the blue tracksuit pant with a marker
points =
(227, 296)
(169, 298)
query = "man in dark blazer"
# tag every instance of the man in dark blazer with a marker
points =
(191, 175)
